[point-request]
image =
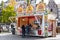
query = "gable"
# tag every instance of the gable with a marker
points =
(52, 6)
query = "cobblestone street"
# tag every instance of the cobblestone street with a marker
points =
(16, 37)
(9, 36)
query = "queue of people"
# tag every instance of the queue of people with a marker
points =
(26, 30)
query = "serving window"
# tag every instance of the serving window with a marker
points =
(35, 21)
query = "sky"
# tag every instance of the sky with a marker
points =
(46, 1)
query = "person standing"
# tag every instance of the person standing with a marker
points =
(7, 28)
(1, 28)
(23, 31)
(28, 27)
(13, 29)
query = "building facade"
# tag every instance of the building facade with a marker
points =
(53, 7)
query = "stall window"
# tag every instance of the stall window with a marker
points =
(38, 22)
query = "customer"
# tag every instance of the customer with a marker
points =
(13, 29)
(1, 28)
(30, 26)
(12, 26)
(27, 29)
(23, 31)
(7, 28)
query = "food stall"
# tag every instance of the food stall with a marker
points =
(37, 18)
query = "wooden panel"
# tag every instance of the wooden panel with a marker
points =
(53, 25)
(54, 28)
(58, 29)
(23, 21)
(19, 22)
(31, 20)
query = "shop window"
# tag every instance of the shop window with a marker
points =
(38, 22)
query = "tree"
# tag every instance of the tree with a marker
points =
(8, 12)
(28, 2)
(1, 7)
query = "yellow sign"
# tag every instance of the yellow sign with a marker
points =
(29, 9)
(12, 2)
(20, 9)
(46, 18)
(40, 6)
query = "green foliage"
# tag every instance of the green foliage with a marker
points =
(2, 4)
(28, 1)
(6, 13)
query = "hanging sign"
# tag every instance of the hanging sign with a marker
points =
(20, 9)
(41, 7)
(29, 9)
